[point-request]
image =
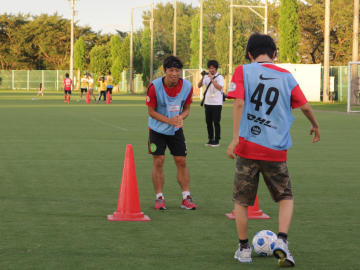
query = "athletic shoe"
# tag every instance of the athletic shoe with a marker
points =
(160, 204)
(188, 204)
(215, 144)
(208, 143)
(243, 255)
(97, 101)
(65, 101)
(282, 252)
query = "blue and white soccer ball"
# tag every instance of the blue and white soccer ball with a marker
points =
(263, 243)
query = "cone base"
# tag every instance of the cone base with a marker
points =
(112, 218)
(254, 215)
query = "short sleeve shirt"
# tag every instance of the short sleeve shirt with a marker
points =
(213, 95)
(249, 149)
(171, 92)
(67, 84)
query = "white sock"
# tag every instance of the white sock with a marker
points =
(185, 194)
(158, 195)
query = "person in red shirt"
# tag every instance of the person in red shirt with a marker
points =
(264, 95)
(168, 100)
(67, 88)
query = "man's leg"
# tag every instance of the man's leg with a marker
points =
(286, 208)
(183, 176)
(217, 117)
(158, 173)
(209, 121)
(241, 218)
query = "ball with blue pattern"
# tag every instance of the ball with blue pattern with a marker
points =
(263, 243)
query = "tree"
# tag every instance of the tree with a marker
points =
(146, 54)
(125, 53)
(100, 60)
(195, 41)
(79, 59)
(289, 31)
(116, 53)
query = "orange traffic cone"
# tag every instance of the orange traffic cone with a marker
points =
(88, 97)
(108, 101)
(128, 208)
(253, 212)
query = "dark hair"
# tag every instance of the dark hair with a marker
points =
(67, 75)
(213, 63)
(172, 61)
(259, 44)
(109, 73)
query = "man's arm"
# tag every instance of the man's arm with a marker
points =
(217, 86)
(175, 121)
(237, 114)
(309, 113)
(200, 84)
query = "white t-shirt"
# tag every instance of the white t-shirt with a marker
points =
(214, 96)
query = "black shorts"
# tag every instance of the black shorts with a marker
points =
(83, 90)
(157, 143)
(109, 90)
(68, 92)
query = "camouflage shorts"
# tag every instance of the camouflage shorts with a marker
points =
(246, 181)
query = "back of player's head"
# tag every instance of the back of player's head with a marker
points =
(172, 61)
(213, 63)
(259, 44)
(109, 72)
(67, 75)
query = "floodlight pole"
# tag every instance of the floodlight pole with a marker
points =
(326, 79)
(201, 35)
(355, 51)
(231, 41)
(131, 53)
(131, 44)
(152, 43)
(174, 50)
(73, 2)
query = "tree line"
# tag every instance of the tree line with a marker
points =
(43, 41)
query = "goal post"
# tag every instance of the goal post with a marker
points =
(353, 103)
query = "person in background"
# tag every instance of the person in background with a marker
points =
(67, 88)
(84, 85)
(109, 84)
(91, 86)
(213, 99)
(40, 90)
(102, 88)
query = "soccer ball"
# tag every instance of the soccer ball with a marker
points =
(263, 243)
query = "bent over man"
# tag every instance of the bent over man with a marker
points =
(168, 100)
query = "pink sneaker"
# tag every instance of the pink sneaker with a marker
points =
(160, 204)
(188, 204)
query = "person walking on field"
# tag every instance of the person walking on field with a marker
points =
(40, 90)
(84, 85)
(213, 98)
(264, 95)
(168, 100)
(91, 86)
(67, 88)
(109, 84)
(102, 82)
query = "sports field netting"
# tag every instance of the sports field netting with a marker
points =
(61, 167)
(354, 87)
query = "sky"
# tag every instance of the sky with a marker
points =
(99, 15)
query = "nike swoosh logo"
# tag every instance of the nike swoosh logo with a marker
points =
(262, 78)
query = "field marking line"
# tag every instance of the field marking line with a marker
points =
(96, 120)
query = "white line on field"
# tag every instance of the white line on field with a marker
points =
(96, 120)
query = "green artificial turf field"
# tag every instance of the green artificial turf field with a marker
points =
(61, 167)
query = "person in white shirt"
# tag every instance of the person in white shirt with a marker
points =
(213, 99)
